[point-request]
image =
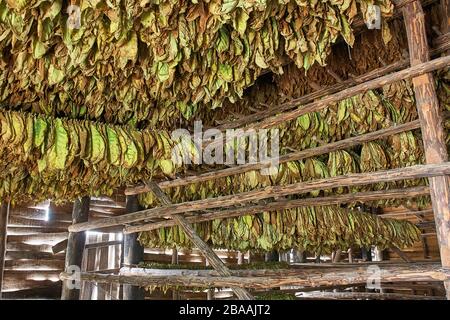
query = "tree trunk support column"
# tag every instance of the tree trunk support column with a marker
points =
(133, 253)
(75, 247)
(431, 124)
(208, 253)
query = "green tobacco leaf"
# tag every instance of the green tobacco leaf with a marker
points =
(58, 152)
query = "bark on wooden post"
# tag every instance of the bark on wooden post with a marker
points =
(207, 252)
(431, 124)
(133, 253)
(75, 246)
(175, 293)
(4, 215)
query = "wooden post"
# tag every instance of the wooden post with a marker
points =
(240, 258)
(207, 252)
(4, 215)
(75, 246)
(366, 254)
(133, 253)
(431, 124)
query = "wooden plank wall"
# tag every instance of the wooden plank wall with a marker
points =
(31, 268)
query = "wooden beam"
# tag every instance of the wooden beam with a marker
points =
(431, 121)
(4, 215)
(317, 105)
(288, 204)
(60, 246)
(133, 253)
(363, 296)
(308, 278)
(75, 246)
(413, 172)
(206, 251)
(19, 255)
(407, 213)
(35, 264)
(28, 247)
(294, 156)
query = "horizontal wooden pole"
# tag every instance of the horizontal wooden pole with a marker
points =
(288, 204)
(294, 156)
(413, 172)
(51, 291)
(309, 278)
(14, 285)
(28, 247)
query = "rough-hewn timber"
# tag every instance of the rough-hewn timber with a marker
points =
(4, 215)
(413, 172)
(75, 246)
(312, 152)
(288, 204)
(133, 253)
(206, 251)
(431, 121)
(307, 278)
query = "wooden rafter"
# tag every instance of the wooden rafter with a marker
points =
(413, 172)
(287, 204)
(293, 156)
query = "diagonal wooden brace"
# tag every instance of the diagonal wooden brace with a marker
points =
(209, 254)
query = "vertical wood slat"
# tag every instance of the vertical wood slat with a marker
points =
(75, 245)
(431, 121)
(209, 254)
(103, 256)
(133, 253)
(89, 257)
(4, 216)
